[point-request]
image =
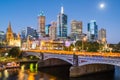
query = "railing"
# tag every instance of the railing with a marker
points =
(90, 54)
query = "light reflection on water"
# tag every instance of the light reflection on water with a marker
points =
(23, 74)
(33, 74)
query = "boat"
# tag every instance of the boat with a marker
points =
(12, 65)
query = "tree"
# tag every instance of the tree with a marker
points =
(14, 52)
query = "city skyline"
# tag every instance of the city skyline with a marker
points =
(24, 13)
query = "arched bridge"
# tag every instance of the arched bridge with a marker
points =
(78, 60)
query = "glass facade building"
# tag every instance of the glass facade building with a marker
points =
(92, 31)
(47, 29)
(62, 24)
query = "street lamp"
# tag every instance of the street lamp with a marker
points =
(83, 40)
(75, 57)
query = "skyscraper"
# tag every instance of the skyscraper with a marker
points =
(53, 31)
(23, 34)
(2, 37)
(62, 24)
(92, 31)
(102, 35)
(41, 24)
(31, 32)
(47, 30)
(76, 29)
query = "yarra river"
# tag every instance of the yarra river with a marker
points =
(31, 72)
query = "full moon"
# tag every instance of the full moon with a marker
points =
(102, 5)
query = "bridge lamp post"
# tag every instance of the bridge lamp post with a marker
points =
(83, 40)
(75, 58)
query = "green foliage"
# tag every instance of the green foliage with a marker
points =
(14, 52)
(115, 47)
(86, 46)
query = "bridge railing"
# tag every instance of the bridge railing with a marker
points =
(90, 54)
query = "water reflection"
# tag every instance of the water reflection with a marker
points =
(6, 74)
(49, 74)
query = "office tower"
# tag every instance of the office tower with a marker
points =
(41, 24)
(76, 29)
(92, 31)
(53, 31)
(102, 35)
(2, 37)
(31, 32)
(47, 30)
(62, 24)
(23, 34)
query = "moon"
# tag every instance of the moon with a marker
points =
(102, 5)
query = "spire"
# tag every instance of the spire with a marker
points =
(62, 9)
(9, 29)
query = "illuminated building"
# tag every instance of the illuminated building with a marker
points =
(23, 34)
(2, 37)
(92, 31)
(53, 31)
(11, 39)
(76, 29)
(41, 24)
(51, 45)
(47, 30)
(102, 35)
(32, 32)
(62, 24)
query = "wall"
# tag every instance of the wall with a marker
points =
(76, 71)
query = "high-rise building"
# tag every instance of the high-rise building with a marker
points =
(41, 24)
(62, 24)
(2, 37)
(31, 32)
(76, 29)
(102, 35)
(47, 30)
(23, 34)
(53, 31)
(92, 31)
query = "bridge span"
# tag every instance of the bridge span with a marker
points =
(84, 58)
(81, 63)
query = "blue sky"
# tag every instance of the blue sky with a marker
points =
(23, 13)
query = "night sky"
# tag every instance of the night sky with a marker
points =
(23, 13)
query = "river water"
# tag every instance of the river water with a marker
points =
(54, 73)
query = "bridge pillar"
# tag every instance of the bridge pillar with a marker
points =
(75, 60)
(41, 56)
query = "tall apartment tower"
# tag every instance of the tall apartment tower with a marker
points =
(76, 28)
(92, 31)
(62, 24)
(102, 35)
(41, 24)
(53, 31)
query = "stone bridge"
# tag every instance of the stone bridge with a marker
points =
(80, 65)
(81, 60)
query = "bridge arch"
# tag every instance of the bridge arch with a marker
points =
(58, 60)
(53, 62)
(38, 55)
